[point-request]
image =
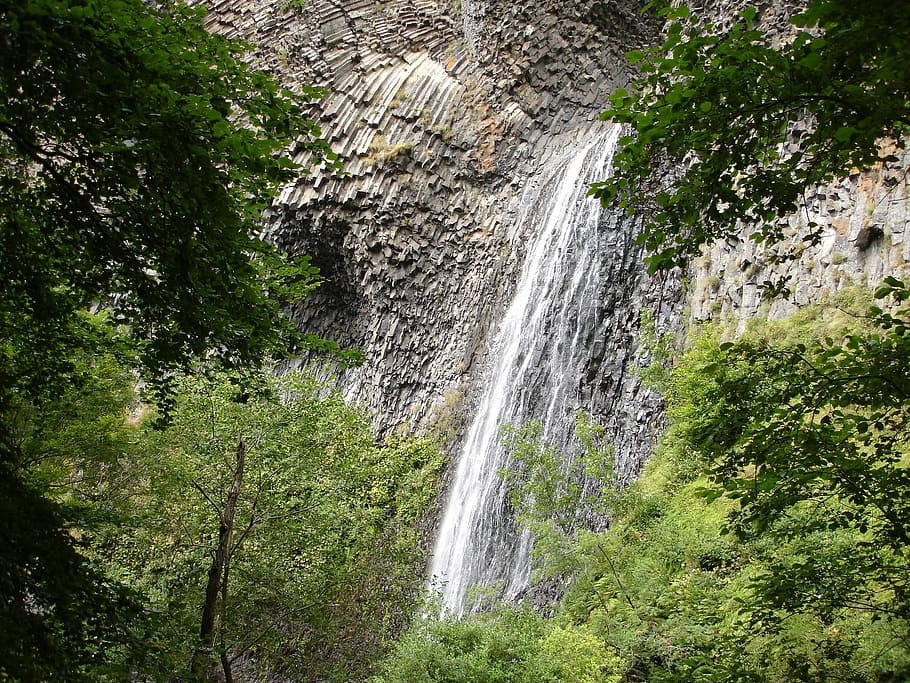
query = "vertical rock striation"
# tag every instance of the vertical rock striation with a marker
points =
(446, 114)
(442, 118)
(445, 120)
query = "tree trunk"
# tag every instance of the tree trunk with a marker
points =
(225, 660)
(202, 658)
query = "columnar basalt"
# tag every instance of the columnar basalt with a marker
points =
(442, 117)
(445, 114)
(864, 221)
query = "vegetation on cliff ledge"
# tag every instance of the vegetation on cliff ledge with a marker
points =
(768, 539)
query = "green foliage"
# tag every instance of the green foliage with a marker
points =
(766, 541)
(325, 566)
(325, 527)
(659, 586)
(507, 645)
(548, 492)
(138, 151)
(61, 617)
(385, 562)
(752, 120)
(579, 655)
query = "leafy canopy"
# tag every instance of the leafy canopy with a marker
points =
(751, 119)
(137, 151)
(324, 565)
(802, 428)
(63, 616)
(136, 154)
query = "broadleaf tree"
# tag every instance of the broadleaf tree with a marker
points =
(719, 110)
(137, 151)
(263, 530)
(730, 127)
(62, 613)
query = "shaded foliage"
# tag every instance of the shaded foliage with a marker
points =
(765, 542)
(752, 118)
(136, 154)
(108, 561)
(61, 617)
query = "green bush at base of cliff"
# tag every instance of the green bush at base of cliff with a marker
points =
(506, 645)
(764, 542)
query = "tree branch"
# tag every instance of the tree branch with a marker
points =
(208, 498)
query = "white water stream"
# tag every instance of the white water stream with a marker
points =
(534, 375)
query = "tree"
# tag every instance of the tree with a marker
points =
(766, 439)
(249, 514)
(723, 106)
(748, 119)
(216, 588)
(814, 436)
(260, 526)
(801, 428)
(810, 423)
(63, 616)
(558, 498)
(136, 154)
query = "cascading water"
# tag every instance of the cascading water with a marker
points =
(539, 357)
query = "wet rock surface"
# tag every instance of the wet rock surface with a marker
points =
(444, 113)
(443, 116)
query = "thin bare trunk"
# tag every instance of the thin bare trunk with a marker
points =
(202, 658)
(225, 660)
(226, 665)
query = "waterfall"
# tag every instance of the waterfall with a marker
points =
(539, 354)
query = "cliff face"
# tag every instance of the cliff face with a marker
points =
(865, 237)
(443, 115)
(864, 220)
(454, 120)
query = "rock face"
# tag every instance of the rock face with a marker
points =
(451, 120)
(865, 219)
(442, 116)
(563, 343)
(447, 115)
(445, 112)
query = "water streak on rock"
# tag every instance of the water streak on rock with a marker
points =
(537, 357)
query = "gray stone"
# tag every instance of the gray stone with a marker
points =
(443, 120)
